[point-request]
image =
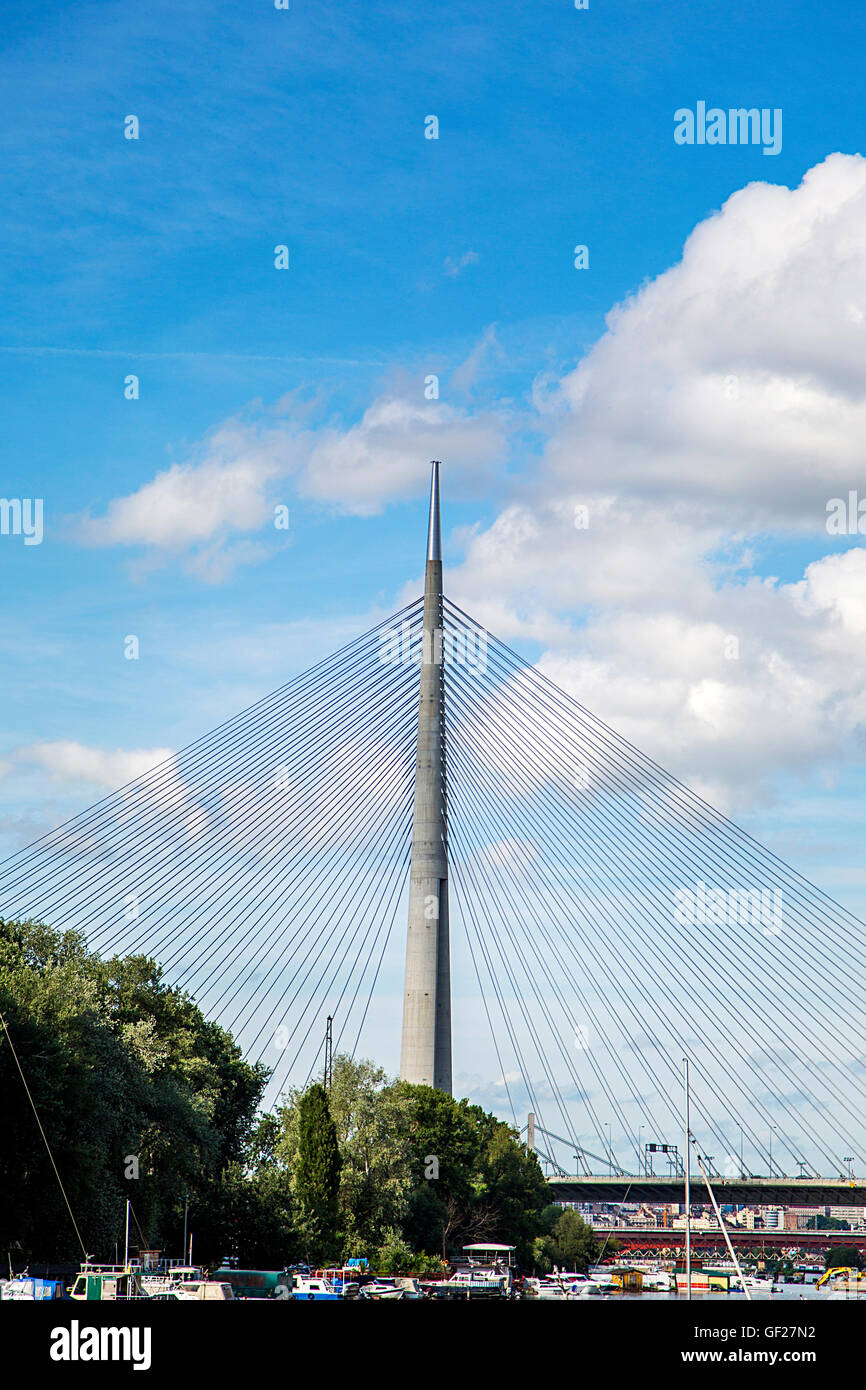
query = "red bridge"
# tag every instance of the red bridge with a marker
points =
(635, 1241)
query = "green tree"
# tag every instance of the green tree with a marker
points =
(121, 1067)
(250, 1217)
(317, 1174)
(571, 1244)
(827, 1223)
(512, 1192)
(486, 1187)
(437, 1171)
(841, 1256)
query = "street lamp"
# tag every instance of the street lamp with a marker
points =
(849, 1159)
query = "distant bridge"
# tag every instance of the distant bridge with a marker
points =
(634, 1241)
(764, 1192)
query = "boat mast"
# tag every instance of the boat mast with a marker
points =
(686, 1161)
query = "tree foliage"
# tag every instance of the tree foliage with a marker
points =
(570, 1243)
(120, 1066)
(843, 1256)
(123, 1066)
(317, 1173)
(421, 1168)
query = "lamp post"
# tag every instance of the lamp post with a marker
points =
(686, 1158)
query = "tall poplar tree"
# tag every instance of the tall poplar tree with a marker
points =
(317, 1174)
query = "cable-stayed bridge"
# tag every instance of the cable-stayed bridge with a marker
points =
(607, 921)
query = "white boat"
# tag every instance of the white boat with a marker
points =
(170, 1279)
(755, 1285)
(203, 1291)
(544, 1288)
(108, 1283)
(470, 1283)
(659, 1281)
(562, 1286)
(323, 1288)
(28, 1288)
(382, 1288)
(578, 1285)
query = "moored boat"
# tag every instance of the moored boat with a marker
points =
(108, 1283)
(382, 1288)
(29, 1288)
(323, 1287)
(706, 1280)
(561, 1286)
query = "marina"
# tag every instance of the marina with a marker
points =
(485, 1274)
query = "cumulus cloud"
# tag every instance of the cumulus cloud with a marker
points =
(725, 403)
(734, 380)
(194, 509)
(206, 509)
(149, 778)
(68, 761)
(386, 456)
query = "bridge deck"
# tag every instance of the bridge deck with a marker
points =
(634, 1241)
(764, 1192)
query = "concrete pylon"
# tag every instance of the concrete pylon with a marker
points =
(425, 1056)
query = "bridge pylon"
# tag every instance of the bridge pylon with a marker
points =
(425, 1055)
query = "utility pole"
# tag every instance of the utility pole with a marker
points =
(425, 1056)
(329, 1053)
(530, 1132)
(687, 1159)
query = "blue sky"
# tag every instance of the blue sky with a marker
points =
(454, 257)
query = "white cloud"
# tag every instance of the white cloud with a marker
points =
(190, 503)
(454, 265)
(149, 777)
(204, 509)
(725, 401)
(386, 455)
(734, 381)
(834, 589)
(68, 761)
